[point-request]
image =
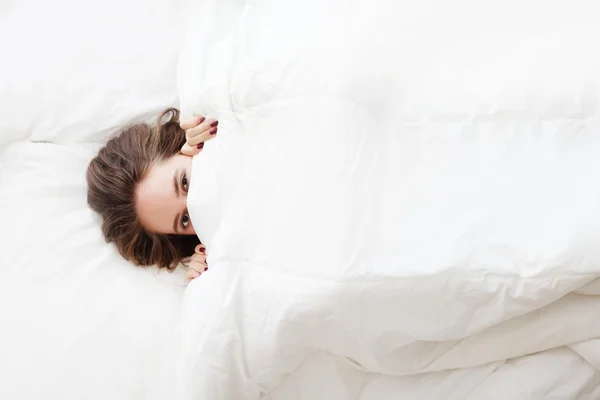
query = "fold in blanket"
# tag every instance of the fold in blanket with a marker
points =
(386, 200)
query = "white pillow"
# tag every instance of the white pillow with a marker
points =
(71, 70)
(78, 321)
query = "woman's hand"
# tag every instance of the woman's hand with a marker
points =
(197, 131)
(197, 263)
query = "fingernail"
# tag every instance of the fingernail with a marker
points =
(201, 120)
(213, 131)
(201, 248)
(205, 269)
(214, 124)
(200, 146)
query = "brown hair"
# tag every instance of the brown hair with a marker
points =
(112, 178)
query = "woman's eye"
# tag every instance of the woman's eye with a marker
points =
(185, 221)
(184, 183)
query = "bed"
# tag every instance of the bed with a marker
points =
(77, 321)
(401, 202)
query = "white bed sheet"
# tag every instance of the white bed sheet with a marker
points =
(76, 321)
(73, 71)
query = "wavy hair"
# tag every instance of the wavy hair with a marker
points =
(112, 178)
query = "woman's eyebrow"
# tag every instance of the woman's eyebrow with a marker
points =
(176, 182)
(176, 189)
(176, 224)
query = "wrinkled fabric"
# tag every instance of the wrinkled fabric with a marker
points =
(395, 189)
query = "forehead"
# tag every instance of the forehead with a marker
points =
(156, 201)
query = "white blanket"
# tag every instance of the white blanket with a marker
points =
(397, 188)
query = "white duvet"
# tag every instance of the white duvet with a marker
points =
(403, 200)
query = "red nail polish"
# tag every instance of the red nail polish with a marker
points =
(200, 146)
(202, 248)
(205, 269)
(213, 131)
(214, 124)
(201, 120)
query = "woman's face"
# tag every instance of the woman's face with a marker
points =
(161, 197)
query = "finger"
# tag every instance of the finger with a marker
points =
(199, 265)
(196, 266)
(186, 261)
(203, 137)
(199, 259)
(191, 151)
(191, 274)
(200, 249)
(191, 122)
(199, 268)
(202, 132)
(204, 126)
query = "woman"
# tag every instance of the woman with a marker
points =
(138, 184)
